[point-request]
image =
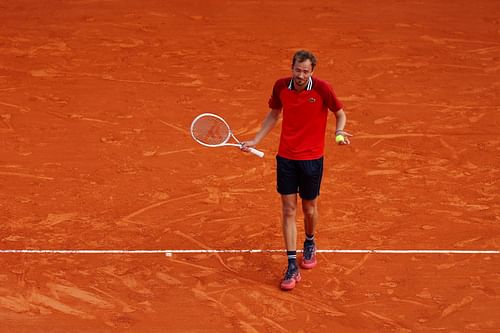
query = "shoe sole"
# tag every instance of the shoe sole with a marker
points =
(290, 287)
(308, 266)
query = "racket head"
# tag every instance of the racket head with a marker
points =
(210, 130)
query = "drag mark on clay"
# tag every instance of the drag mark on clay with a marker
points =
(5, 119)
(394, 136)
(452, 150)
(80, 294)
(358, 265)
(227, 311)
(124, 306)
(177, 128)
(219, 258)
(168, 279)
(382, 172)
(128, 281)
(408, 301)
(452, 308)
(386, 321)
(204, 268)
(18, 107)
(15, 303)
(484, 50)
(80, 117)
(158, 204)
(438, 40)
(54, 219)
(24, 175)
(54, 304)
(187, 150)
(275, 326)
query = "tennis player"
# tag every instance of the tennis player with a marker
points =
(305, 102)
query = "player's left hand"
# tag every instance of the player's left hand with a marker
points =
(345, 136)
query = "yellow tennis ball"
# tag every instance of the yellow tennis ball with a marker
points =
(339, 138)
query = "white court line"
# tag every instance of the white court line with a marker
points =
(170, 252)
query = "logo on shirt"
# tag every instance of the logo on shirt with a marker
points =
(311, 100)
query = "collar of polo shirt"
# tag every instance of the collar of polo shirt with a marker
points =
(308, 87)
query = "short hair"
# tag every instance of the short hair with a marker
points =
(303, 55)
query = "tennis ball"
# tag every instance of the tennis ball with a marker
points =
(339, 138)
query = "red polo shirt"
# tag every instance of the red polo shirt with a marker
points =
(304, 117)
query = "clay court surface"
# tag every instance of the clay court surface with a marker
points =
(96, 99)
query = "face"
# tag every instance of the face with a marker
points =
(301, 72)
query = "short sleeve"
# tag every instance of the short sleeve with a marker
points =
(275, 100)
(328, 95)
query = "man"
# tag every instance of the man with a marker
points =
(304, 102)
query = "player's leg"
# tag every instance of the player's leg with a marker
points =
(287, 186)
(310, 209)
(289, 211)
(309, 188)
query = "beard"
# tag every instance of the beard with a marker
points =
(300, 82)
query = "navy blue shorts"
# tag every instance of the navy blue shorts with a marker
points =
(295, 176)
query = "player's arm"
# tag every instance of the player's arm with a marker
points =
(268, 124)
(341, 136)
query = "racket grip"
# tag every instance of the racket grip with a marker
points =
(256, 152)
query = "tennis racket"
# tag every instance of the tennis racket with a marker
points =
(211, 130)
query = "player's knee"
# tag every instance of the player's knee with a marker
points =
(289, 210)
(310, 212)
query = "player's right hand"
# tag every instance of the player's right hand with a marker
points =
(246, 145)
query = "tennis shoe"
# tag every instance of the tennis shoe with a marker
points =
(309, 256)
(292, 276)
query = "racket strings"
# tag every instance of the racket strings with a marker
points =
(211, 130)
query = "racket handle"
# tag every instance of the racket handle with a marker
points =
(256, 152)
